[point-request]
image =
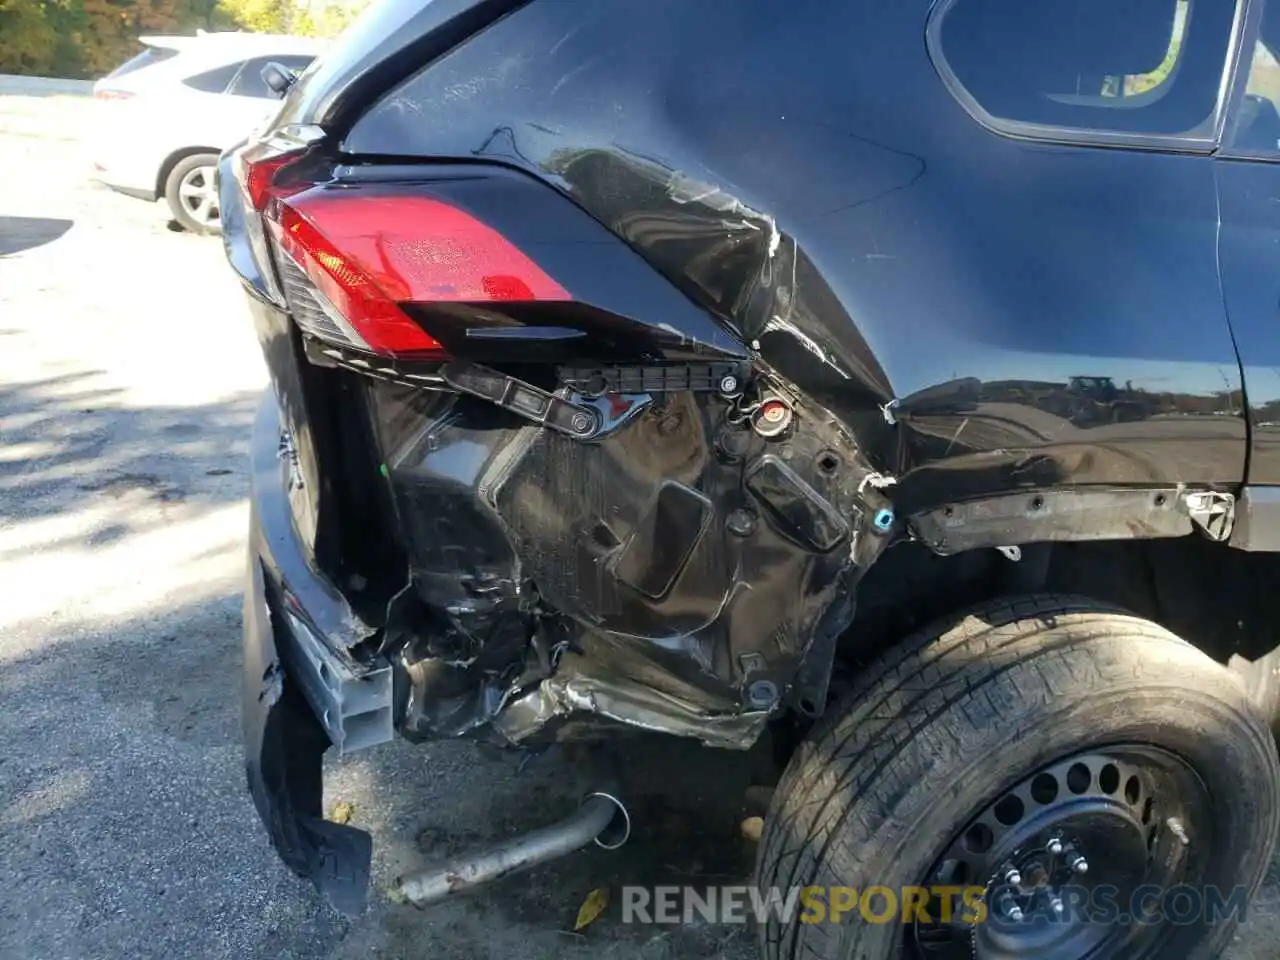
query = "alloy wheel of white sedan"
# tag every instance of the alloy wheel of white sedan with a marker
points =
(192, 193)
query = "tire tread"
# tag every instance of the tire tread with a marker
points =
(996, 662)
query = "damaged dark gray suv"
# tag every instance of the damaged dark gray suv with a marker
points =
(898, 380)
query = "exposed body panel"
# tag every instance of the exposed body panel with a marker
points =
(674, 572)
(872, 237)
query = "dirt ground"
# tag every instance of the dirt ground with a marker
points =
(128, 381)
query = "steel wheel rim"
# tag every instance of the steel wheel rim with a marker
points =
(1114, 818)
(198, 196)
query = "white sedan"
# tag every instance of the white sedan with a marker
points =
(170, 111)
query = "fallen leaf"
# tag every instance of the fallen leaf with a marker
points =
(342, 812)
(752, 827)
(592, 907)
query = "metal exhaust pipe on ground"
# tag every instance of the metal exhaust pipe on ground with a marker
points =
(602, 818)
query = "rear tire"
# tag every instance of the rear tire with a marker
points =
(189, 191)
(965, 713)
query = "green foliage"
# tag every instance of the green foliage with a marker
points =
(83, 38)
(114, 26)
(316, 18)
(329, 21)
(28, 36)
(88, 38)
(257, 16)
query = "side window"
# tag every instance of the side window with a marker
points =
(213, 81)
(250, 83)
(1142, 67)
(1257, 127)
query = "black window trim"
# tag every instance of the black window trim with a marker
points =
(1052, 133)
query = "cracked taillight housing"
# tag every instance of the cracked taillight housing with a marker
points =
(351, 256)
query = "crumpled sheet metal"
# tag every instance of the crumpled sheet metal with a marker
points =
(608, 685)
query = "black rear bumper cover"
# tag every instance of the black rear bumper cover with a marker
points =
(284, 742)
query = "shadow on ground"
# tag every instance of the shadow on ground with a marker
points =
(64, 440)
(24, 233)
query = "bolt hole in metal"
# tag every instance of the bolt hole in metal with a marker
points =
(1081, 823)
(1109, 779)
(1079, 778)
(979, 838)
(1009, 810)
(1044, 789)
(1037, 502)
(828, 463)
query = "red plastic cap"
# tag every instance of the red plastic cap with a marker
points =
(774, 411)
(370, 252)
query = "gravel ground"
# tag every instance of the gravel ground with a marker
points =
(128, 380)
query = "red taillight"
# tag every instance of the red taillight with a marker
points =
(358, 298)
(258, 176)
(369, 250)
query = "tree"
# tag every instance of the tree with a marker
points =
(329, 21)
(310, 18)
(112, 28)
(257, 16)
(87, 38)
(28, 41)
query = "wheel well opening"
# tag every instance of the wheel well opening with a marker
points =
(1220, 599)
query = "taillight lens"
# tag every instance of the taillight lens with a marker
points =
(360, 312)
(257, 177)
(352, 256)
(256, 169)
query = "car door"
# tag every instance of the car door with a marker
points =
(1248, 174)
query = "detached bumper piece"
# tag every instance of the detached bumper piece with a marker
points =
(284, 750)
(300, 694)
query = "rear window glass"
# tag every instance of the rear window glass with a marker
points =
(148, 56)
(1129, 66)
(214, 81)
